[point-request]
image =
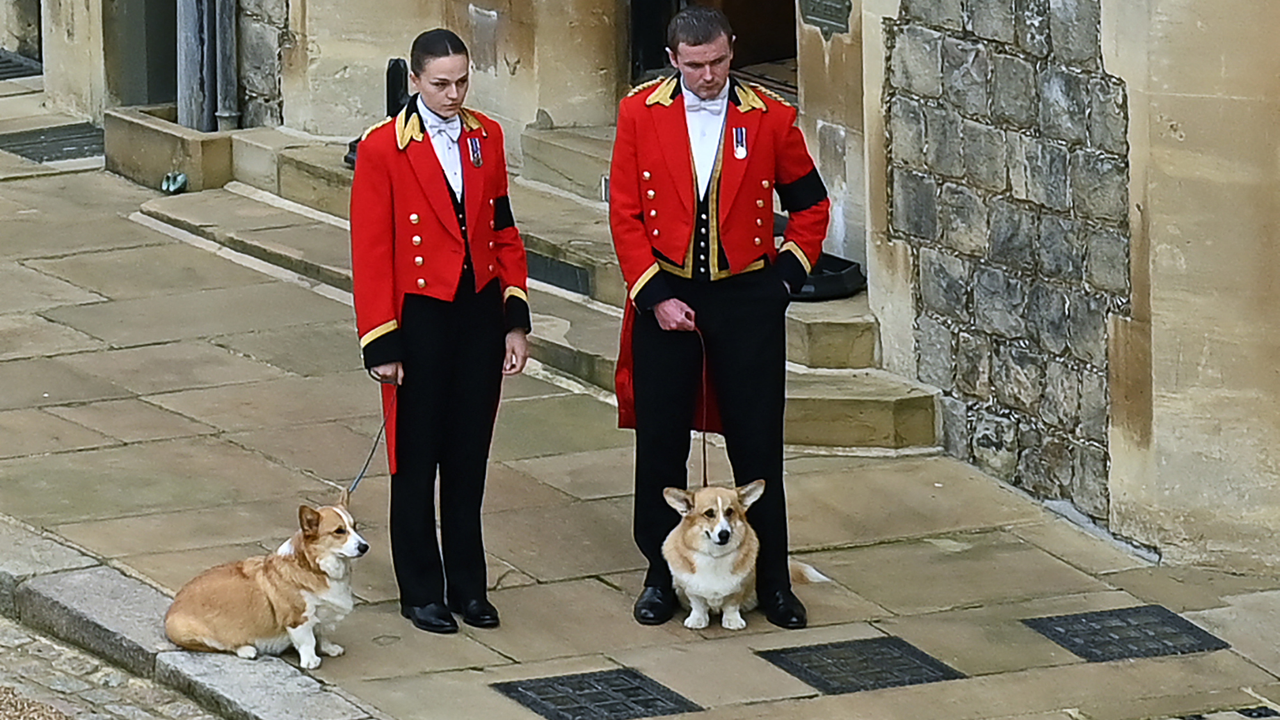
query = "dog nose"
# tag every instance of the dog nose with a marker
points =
(363, 548)
(722, 537)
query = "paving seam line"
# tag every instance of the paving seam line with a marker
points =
(58, 590)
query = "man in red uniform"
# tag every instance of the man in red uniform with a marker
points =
(697, 160)
(441, 307)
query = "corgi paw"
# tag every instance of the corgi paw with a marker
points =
(732, 622)
(311, 663)
(331, 649)
(696, 621)
(248, 652)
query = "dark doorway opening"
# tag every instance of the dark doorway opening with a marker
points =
(764, 52)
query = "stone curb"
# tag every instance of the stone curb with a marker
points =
(63, 592)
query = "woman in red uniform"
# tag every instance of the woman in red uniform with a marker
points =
(442, 311)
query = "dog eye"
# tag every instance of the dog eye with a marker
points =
(710, 513)
(340, 531)
(728, 513)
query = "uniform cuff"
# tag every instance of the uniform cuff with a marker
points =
(517, 314)
(792, 271)
(386, 348)
(654, 291)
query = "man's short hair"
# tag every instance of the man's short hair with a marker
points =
(434, 44)
(697, 25)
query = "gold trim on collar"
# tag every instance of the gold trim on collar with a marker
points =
(748, 100)
(770, 94)
(375, 126)
(378, 332)
(665, 94)
(408, 128)
(472, 123)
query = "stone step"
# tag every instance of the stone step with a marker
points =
(572, 159)
(573, 333)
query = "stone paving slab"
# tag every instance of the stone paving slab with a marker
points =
(29, 335)
(40, 382)
(35, 432)
(27, 554)
(181, 365)
(148, 270)
(101, 610)
(315, 349)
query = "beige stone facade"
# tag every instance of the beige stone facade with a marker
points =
(1193, 417)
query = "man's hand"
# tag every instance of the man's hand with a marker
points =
(392, 372)
(673, 314)
(517, 353)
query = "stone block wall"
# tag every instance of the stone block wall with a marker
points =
(1008, 148)
(263, 26)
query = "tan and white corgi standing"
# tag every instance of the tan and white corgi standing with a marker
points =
(712, 554)
(292, 597)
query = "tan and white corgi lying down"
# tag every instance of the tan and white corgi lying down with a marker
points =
(292, 597)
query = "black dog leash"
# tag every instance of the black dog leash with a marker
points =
(356, 483)
(706, 390)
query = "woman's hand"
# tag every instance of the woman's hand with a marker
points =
(517, 353)
(392, 372)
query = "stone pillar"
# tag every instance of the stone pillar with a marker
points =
(74, 64)
(20, 27)
(829, 59)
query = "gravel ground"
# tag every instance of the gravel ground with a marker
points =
(45, 679)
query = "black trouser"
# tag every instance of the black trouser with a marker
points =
(742, 321)
(445, 413)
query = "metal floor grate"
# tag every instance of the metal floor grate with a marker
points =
(1260, 711)
(13, 66)
(857, 665)
(609, 695)
(1135, 632)
(62, 142)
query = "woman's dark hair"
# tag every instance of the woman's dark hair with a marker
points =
(434, 44)
(697, 25)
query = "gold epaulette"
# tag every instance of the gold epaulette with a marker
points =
(375, 126)
(471, 121)
(644, 86)
(770, 94)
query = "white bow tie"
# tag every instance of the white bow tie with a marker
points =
(715, 106)
(438, 126)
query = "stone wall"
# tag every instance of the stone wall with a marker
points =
(20, 27)
(1008, 178)
(263, 26)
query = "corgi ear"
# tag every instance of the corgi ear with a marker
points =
(751, 492)
(344, 498)
(679, 499)
(308, 520)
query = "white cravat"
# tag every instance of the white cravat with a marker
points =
(705, 119)
(444, 136)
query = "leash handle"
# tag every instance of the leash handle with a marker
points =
(382, 429)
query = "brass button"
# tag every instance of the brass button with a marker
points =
(759, 203)
(491, 225)
(491, 201)
(491, 245)
(421, 283)
(757, 241)
(653, 213)
(418, 261)
(417, 239)
(491, 267)
(759, 222)
(650, 194)
(645, 175)
(413, 218)
(764, 184)
(655, 232)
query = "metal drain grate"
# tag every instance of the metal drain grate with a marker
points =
(62, 142)
(857, 665)
(609, 695)
(13, 66)
(1261, 711)
(1146, 631)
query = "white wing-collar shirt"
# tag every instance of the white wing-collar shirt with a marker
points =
(705, 119)
(444, 136)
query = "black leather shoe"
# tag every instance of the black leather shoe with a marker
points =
(655, 605)
(434, 618)
(476, 613)
(783, 609)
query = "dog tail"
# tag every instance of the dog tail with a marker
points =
(805, 573)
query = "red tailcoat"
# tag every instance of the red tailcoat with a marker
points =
(652, 198)
(405, 235)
